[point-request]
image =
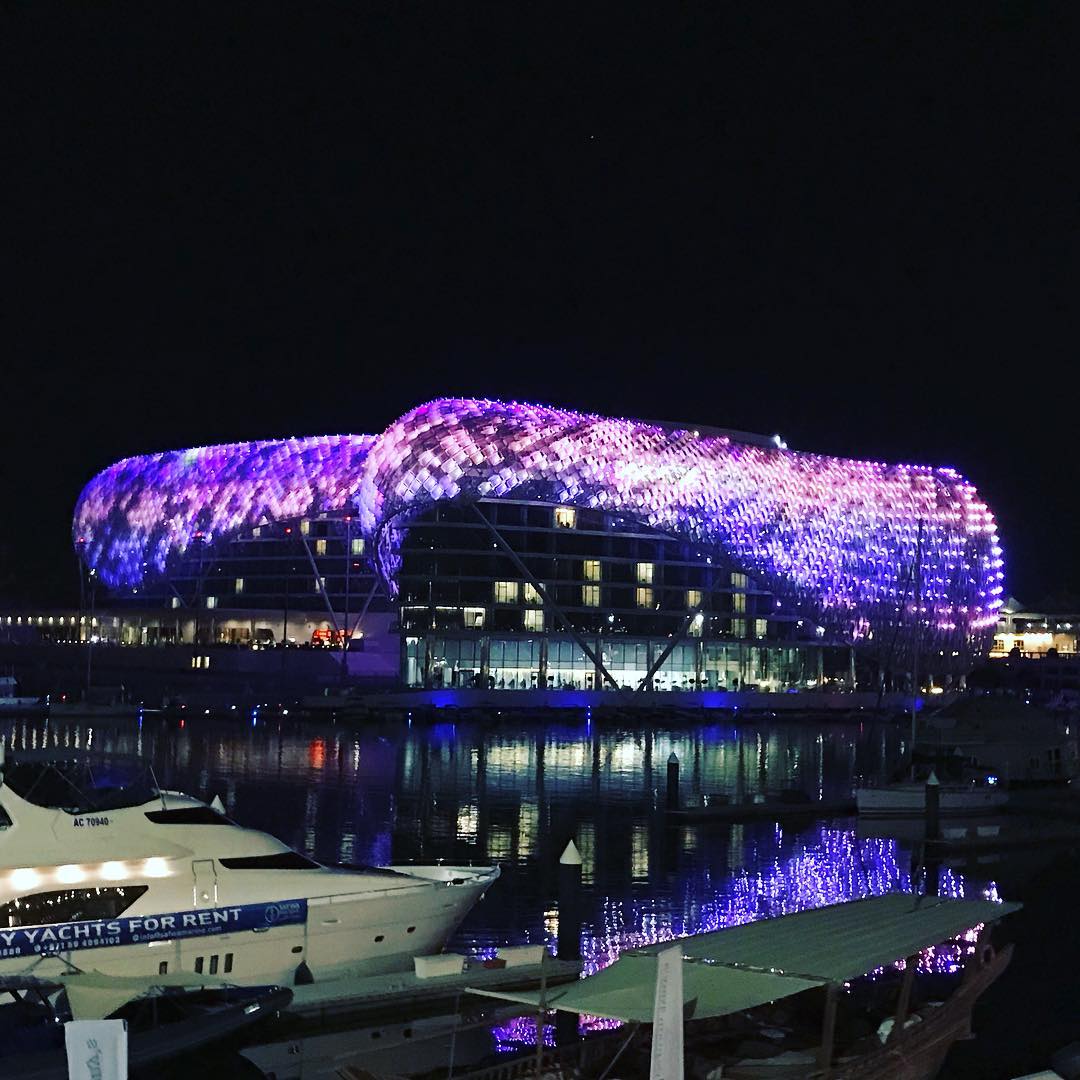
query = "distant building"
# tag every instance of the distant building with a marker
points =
(479, 543)
(1033, 633)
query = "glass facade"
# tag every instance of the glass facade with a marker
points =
(649, 606)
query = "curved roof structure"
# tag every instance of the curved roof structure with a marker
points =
(135, 516)
(838, 538)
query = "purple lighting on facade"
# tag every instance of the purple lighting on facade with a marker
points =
(837, 538)
(137, 514)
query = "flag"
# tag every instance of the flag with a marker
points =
(667, 1032)
(96, 1049)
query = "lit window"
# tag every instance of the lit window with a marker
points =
(645, 572)
(358, 545)
(590, 569)
(534, 619)
(761, 627)
(643, 596)
(506, 592)
(239, 585)
(211, 601)
(565, 517)
(693, 598)
(320, 547)
(738, 603)
(531, 595)
(590, 595)
(738, 581)
(256, 532)
(305, 527)
(738, 628)
(176, 601)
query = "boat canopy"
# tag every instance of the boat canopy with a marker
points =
(740, 968)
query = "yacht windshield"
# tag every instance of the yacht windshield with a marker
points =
(81, 786)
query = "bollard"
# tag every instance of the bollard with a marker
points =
(933, 813)
(566, 1023)
(569, 903)
(673, 781)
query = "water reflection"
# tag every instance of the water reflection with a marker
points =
(515, 794)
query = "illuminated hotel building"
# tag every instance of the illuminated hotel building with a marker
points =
(514, 546)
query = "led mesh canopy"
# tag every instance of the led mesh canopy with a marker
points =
(137, 514)
(836, 539)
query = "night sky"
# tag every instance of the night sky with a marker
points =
(226, 222)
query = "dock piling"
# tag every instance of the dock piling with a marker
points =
(566, 1023)
(673, 781)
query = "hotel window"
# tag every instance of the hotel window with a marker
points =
(590, 595)
(565, 517)
(358, 545)
(761, 627)
(645, 573)
(534, 619)
(531, 595)
(211, 601)
(506, 592)
(590, 569)
(693, 598)
(320, 547)
(738, 603)
(643, 596)
(305, 527)
(239, 585)
(738, 628)
(738, 581)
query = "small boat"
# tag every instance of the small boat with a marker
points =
(14, 702)
(909, 798)
(745, 991)
(164, 1022)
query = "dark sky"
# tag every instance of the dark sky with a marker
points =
(229, 221)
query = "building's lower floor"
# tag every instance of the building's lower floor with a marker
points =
(565, 662)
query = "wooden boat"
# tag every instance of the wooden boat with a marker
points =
(736, 981)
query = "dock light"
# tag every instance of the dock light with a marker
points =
(114, 871)
(24, 878)
(156, 867)
(70, 874)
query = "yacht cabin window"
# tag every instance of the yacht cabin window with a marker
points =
(69, 905)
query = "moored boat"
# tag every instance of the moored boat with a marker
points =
(745, 990)
(156, 882)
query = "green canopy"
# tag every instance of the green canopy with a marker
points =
(93, 995)
(746, 966)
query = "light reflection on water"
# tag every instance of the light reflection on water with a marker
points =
(514, 794)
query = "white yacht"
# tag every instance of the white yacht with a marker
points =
(152, 882)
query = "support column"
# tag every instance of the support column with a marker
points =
(485, 661)
(542, 668)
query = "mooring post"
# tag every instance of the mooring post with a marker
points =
(566, 1023)
(933, 833)
(673, 781)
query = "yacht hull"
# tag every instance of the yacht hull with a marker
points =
(366, 933)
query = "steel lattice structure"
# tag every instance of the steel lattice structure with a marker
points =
(836, 538)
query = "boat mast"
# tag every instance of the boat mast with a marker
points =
(916, 638)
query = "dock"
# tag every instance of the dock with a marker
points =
(740, 813)
(403, 991)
